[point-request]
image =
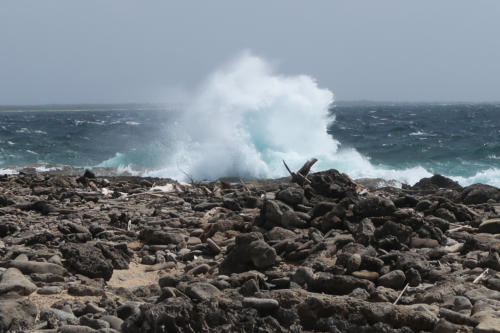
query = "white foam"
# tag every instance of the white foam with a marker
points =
(8, 172)
(246, 118)
(489, 176)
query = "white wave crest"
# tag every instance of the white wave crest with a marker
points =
(246, 119)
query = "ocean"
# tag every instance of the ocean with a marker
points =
(400, 141)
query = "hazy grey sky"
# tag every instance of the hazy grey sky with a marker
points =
(104, 51)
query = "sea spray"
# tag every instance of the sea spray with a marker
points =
(246, 119)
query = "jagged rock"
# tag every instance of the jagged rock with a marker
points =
(4, 201)
(291, 195)
(374, 206)
(87, 260)
(365, 232)
(316, 307)
(249, 251)
(333, 184)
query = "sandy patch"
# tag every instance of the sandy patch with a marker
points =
(135, 276)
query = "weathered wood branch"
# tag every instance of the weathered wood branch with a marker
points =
(300, 177)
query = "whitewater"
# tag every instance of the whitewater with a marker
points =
(243, 121)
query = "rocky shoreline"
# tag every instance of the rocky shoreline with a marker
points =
(129, 254)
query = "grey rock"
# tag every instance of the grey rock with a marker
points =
(114, 322)
(50, 290)
(303, 275)
(456, 317)
(249, 288)
(30, 267)
(488, 325)
(261, 304)
(201, 291)
(76, 329)
(161, 237)
(394, 279)
(13, 280)
(279, 233)
(16, 313)
(93, 322)
(83, 290)
(60, 315)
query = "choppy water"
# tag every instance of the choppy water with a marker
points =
(404, 141)
(245, 119)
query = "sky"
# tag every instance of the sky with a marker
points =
(122, 51)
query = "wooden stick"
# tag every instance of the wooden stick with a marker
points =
(300, 177)
(481, 276)
(401, 294)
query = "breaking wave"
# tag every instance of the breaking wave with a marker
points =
(246, 119)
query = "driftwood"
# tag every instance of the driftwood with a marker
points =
(300, 177)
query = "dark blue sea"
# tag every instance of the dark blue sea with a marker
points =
(393, 141)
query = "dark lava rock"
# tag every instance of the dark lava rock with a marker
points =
(479, 193)
(161, 237)
(338, 284)
(88, 260)
(321, 306)
(400, 231)
(374, 206)
(365, 232)
(8, 229)
(395, 279)
(333, 184)
(119, 257)
(321, 208)
(292, 195)
(490, 226)
(4, 201)
(436, 182)
(42, 207)
(249, 251)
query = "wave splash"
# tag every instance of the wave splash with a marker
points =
(246, 118)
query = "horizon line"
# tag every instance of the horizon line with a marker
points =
(353, 101)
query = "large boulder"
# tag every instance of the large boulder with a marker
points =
(479, 193)
(333, 184)
(374, 206)
(87, 260)
(436, 182)
(16, 314)
(14, 281)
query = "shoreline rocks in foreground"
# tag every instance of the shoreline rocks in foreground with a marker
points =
(129, 254)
